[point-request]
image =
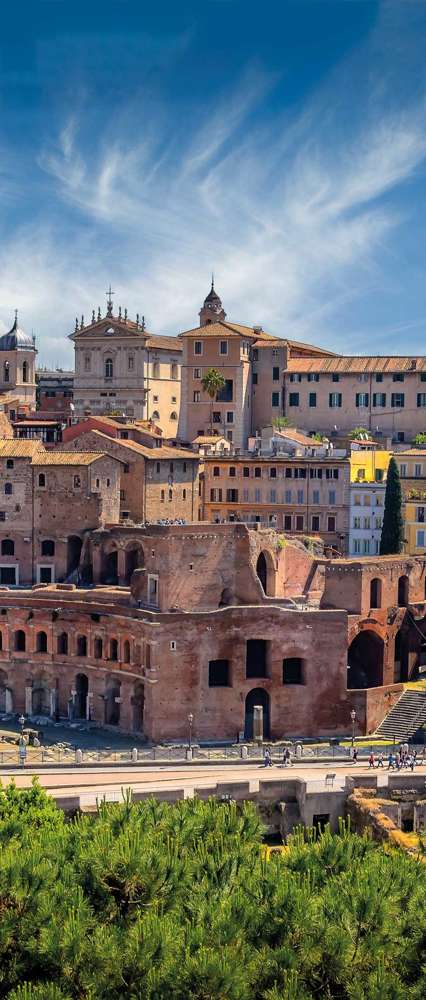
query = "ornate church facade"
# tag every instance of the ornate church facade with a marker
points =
(17, 367)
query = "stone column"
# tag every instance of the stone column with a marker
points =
(89, 707)
(97, 562)
(121, 567)
(28, 700)
(9, 703)
(125, 706)
(258, 723)
(53, 703)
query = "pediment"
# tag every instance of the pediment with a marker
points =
(110, 328)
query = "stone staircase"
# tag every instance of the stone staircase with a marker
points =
(406, 716)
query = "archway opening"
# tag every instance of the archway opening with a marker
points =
(134, 560)
(110, 567)
(82, 690)
(41, 642)
(138, 704)
(376, 593)
(257, 697)
(262, 570)
(403, 591)
(74, 544)
(112, 703)
(63, 643)
(365, 661)
(40, 697)
(401, 658)
(19, 641)
(126, 651)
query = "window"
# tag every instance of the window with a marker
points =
(367, 523)
(113, 649)
(315, 522)
(293, 398)
(423, 377)
(421, 399)
(7, 547)
(8, 489)
(109, 368)
(254, 378)
(273, 472)
(246, 471)
(97, 648)
(357, 499)
(130, 362)
(226, 394)
(315, 496)
(335, 377)
(366, 546)
(6, 371)
(315, 473)
(300, 496)
(87, 362)
(275, 373)
(196, 396)
(81, 645)
(293, 670)
(126, 468)
(173, 415)
(300, 522)
(223, 347)
(403, 470)
(357, 546)
(331, 473)
(41, 642)
(417, 471)
(357, 522)
(197, 373)
(155, 399)
(216, 470)
(398, 400)
(287, 496)
(331, 523)
(398, 377)
(174, 370)
(25, 371)
(219, 673)
(229, 417)
(379, 399)
(77, 482)
(276, 398)
(332, 497)
(335, 399)
(420, 539)
(257, 496)
(48, 547)
(232, 471)
(313, 377)
(257, 472)
(287, 522)
(420, 515)
(19, 642)
(152, 589)
(378, 523)
(232, 496)
(272, 496)
(295, 378)
(62, 644)
(198, 347)
(361, 399)
(9, 463)
(312, 399)
(256, 658)
(379, 377)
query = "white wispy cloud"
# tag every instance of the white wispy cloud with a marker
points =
(295, 213)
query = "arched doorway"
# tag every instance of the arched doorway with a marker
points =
(82, 690)
(365, 661)
(138, 704)
(257, 697)
(403, 591)
(112, 705)
(110, 567)
(134, 560)
(266, 572)
(74, 544)
(40, 697)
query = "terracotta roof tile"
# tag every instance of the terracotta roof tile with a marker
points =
(154, 454)
(67, 458)
(20, 449)
(355, 365)
(297, 436)
(166, 343)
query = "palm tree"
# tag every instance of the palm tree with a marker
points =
(212, 383)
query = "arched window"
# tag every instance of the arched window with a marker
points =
(376, 593)
(48, 547)
(81, 645)
(25, 371)
(173, 415)
(41, 642)
(109, 368)
(403, 591)
(8, 489)
(174, 370)
(97, 648)
(63, 643)
(6, 371)
(7, 547)
(42, 480)
(156, 415)
(113, 649)
(126, 651)
(1, 640)
(19, 641)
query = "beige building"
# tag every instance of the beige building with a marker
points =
(17, 368)
(121, 368)
(386, 395)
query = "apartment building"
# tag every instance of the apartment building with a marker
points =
(386, 395)
(412, 471)
(366, 499)
(55, 393)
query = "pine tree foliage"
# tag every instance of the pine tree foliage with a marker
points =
(151, 901)
(392, 538)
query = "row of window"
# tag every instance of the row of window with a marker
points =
(222, 349)
(290, 522)
(367, 501)
(406, 473)
(109, 367)
(367, 522)
(335, 377)
(365, 547)
(63, 645)
(273, 472)
(8, 547)
(220, 670)
(287, 497)
(25, 371)
(361, 399)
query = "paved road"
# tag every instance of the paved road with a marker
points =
(98, 781)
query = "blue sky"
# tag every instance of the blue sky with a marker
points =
(280, 144)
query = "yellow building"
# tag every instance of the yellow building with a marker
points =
(369, 465)
(412, 471)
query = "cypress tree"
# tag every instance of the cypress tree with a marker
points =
(392, 538)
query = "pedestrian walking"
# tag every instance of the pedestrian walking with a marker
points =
(371, 760)
(391, 762)
(267, 762)
(380, 760)
(355, 756)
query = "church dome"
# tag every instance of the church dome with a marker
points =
(16, 339)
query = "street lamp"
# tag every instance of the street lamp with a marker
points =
(21, 721)
(190, 721)
(353, 717)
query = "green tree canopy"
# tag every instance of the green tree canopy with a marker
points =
(212, 383)
(392, 538)
(420, 439)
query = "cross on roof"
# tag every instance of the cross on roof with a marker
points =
(109, 295)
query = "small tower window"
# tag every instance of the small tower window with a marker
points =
(109, 368)
(6, 371)
(87, 362)
(25, 371)
(8, 489)
(42, 480)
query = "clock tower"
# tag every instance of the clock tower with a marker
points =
(212, 309)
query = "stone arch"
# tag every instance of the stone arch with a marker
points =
(112, 702)
(113, 649)
(365, 660)
(375, 592)
(109, 570)
(126, 651)
(19, 641)
(81, 645)
(41, 642)
(403, 591)
(138, 705)
(265, 569)
(40, 696)
(81, 695)
(134, 559)
(74, 546)
(257, 696)
(62, 643)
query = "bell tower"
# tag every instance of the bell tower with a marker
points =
(212, 309)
